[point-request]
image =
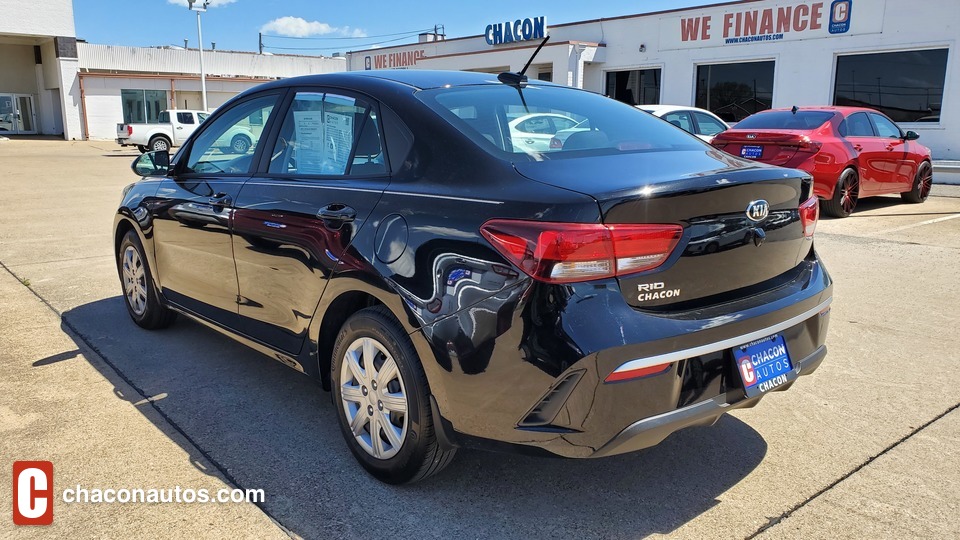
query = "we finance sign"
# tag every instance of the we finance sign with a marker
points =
(779, 21)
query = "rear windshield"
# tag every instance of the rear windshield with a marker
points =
(785, 120)
(550, 122)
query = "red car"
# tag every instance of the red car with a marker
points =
(851, 152)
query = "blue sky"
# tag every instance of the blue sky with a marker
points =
(234, 24)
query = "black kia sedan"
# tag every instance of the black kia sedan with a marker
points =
(393, 234)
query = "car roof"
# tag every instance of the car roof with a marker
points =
(417, 78)
(668, 108)
(824, 108)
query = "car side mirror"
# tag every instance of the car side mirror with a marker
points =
(911, 136)
(156, 163)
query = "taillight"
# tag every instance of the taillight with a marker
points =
(129, 130)
(556, 143)
(809, 214)
(572, 252)
(808, 145)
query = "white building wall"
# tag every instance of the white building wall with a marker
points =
(37, 17)
(105, 109)
(108, 69)
(114, 58)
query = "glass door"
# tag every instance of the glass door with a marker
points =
(17, 115)
(26, 117)
(8, 114)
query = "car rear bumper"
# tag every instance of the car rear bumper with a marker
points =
(530, 370)
(651, 431)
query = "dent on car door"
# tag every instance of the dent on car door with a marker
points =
(192, 219)
(295, 220)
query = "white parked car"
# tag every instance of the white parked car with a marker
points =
(703, 124)
(532, 132)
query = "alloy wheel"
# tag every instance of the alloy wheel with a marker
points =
(134, 281)
(926, 183)
(374, 398)
(848, 193)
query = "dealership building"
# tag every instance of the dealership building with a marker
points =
(733, 58)
(53, 84)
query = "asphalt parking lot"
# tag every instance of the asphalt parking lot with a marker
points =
(865, 447)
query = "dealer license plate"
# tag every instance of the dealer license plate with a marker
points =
(751, 152)
(763, 364)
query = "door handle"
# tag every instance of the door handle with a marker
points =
(857, 147)
(179, 127)
(220, 200)
(337, 212)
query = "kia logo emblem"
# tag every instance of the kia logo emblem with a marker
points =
(752, 136)
(758, 210)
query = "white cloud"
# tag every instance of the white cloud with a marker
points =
(300, 27)
(212, 3)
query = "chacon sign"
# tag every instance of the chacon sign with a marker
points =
(518, 30)
(778, 21)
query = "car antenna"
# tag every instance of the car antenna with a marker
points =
(794, 109)
(519, 80)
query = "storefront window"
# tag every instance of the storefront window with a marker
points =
(735, 91)
(906, 86)
(142, 106)
(636, 87)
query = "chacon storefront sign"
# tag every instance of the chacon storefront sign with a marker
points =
(783, 21)
(518, 30)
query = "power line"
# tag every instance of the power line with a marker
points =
(265, 46)
(410, 32)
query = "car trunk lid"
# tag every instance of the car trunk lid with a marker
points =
(776, 147)
(708, 193)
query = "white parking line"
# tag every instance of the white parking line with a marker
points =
(912, 225)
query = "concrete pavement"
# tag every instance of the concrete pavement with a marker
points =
(847, 437)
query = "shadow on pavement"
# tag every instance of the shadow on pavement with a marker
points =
(880, 202)
(274, 429)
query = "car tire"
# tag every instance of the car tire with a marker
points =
(845, 195)
(240, 144)
(142, 148)
(159, 144)
(373, 339)
(922, 185)
(139, 293)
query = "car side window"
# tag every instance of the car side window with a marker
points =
(681, 119)
(330, 135)
(202, 116)
(163, 118)
(885, 128)
(227, 144)
(858, 125)
(708, 125)
(563, 123)
(185, 118)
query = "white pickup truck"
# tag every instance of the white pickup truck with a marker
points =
(172, 129)
(175, 127)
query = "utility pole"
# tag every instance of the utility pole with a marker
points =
(261, 42)
(200, 6)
